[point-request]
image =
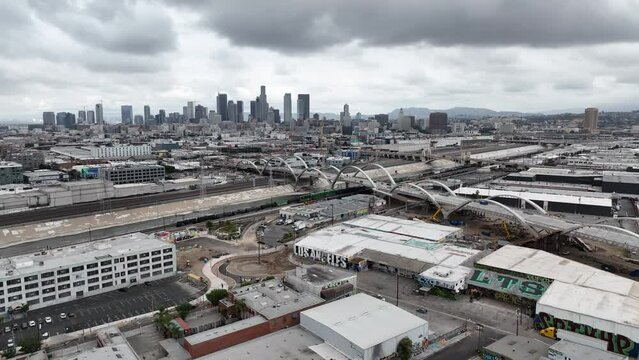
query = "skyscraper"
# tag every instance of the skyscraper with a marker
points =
(138, 120)
(222, 104)
(127, 114)
(185, 112)
(262, 105)
(48, 118)
(240, 111)
(345, 120)
(288, 115)
(147, 114)
(253, 109)
(438, 123)
(82, 117)
(90, 117)
(99, 115)
(382, 119)
(201, 112)
(231, 109)
(190, 110)
(591, 118)
(303, 112)
(161, 117)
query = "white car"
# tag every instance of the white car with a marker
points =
(45, 335)
(48, 320)
(31, 323)
(10, 343)
(63, 315)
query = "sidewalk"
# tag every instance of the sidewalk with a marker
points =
(439, 346)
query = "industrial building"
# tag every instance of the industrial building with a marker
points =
(44, 176)
(329, 283)
(130, 174)
(59, 275)
(512, 347)
(104, 152)
(345, 208)
(384, 243)
(552, 289)
(270, 307)
(362, 327)
(10, 172)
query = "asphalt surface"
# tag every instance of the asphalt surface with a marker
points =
(104, 308)
(467, 348)
(82, 209)
(273, 233)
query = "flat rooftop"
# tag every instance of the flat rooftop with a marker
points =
(364, 320)
(350, 241)
(412, 228)
(583, 352)
(320, 274)
(519, 348)
(558, 196)
(99, 250)
(272, 299)
(292, 343)
(543, 264)
(224, 330)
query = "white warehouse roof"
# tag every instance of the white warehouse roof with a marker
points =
(538, 196)
(364, 320)
(540, 263)
(417, 229)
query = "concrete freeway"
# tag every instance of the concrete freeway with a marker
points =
(67, 211)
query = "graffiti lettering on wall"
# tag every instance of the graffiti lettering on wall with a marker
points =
(487, 356)
(331, 259)
(619, 344)
(508, 284)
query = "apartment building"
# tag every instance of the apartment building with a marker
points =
(10, 172)
(65, 274)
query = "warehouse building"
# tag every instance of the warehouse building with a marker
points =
(362, 327)
(44, 176)
(59, 275)
(512, 347)
(564, 294)
(348, 207)
(130, 174)
(384, 243)
(327, 282)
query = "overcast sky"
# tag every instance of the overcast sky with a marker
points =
(526, 55)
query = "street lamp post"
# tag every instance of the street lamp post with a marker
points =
(518, 317)
(479, 328)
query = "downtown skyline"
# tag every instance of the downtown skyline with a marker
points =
(66, 56)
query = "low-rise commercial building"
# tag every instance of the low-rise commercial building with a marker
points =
(566, 350)
(326, 282)
(44, 176)
(64, 274)
(386, 244)
(10, 172)
(512, 347)
(345, 208)
(130, 174)
(363, 327)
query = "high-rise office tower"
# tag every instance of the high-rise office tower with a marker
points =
(201, 112)
(591, 117)
(127, 114)
(99, 114)
(288, 114)
(185, 112)
(345, 120)
(438, 122)
(253, 110)
(161, 117)
(147, 114)
(382, 119)
(270, 116)
(276, 116)
(305, 111)
(231, 109)
(240, 111)
(48, 118)
(82, 117)
(222, 104)
(90, 117)
(138, 120)
(190, 110)
(262, 105)
(59, 118)
(65, 119)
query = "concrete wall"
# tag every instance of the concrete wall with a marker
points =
(228, 340)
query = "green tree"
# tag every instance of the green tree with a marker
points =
(9, 352)
(287, 237)
(240, 306)
(162, 317)
(215, 295)
(184, 309)
(30, 344)
(405, 348)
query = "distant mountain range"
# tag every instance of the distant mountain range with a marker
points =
(456, 112)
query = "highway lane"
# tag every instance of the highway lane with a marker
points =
(67, 211)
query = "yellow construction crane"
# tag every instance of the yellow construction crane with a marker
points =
(505, 227)
(434, 217)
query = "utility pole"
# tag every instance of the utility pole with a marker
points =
(397, 288)
(479, 328)
(518, 312)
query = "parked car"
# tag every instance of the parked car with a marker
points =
(421, 311)
(24, 325)
(48, 320)
(10, 343)
(7, 329)
(32, 323)
(45, 335)
(63, 315)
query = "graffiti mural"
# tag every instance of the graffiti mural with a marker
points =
(619, 344)
(508, 284)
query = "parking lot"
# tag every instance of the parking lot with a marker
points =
(104, 308)
(274, 232)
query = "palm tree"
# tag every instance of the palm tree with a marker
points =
(162, 318)
(240, 306)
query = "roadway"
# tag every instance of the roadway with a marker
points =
(68, 211)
